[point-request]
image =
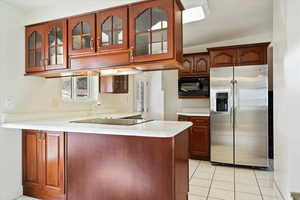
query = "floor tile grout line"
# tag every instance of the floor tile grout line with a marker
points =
(195, 171)
(261, 194)
(212, 179)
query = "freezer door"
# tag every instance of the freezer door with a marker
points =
(221, 111)
(251, 115)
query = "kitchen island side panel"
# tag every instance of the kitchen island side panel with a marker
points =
(181, 168)
(111, 167)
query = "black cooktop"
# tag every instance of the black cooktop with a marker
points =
(125, 122)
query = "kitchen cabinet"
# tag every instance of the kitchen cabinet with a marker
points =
(82, 33)
(199, 137)
(56, 45)
(151, 31)
(145, 35)
(195, 65)
(114, 84)
(43, 164)
(256, 55)
(251, 54)
(187, 65)
(112, 29)
(46, 46)
(35, 48)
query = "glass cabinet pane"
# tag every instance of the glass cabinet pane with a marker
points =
(52, 60)
(81, 36)
(34, 49)
(142, 44)
(38, 41)
(86, 41)
(143, 22)
(159, 19)
(85, 28)
(76, 42)
(77, 29)
(31, 58)
(151, 32)
(106, 26)
(106, 38)
(55, 49)
(52, 37)
(38, 58)
(32, 41)
(59, 36)
(112, 32)
(118, 37)
(117, 23)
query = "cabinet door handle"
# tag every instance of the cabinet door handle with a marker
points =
(131, 54)
(46, 61)
(92, 43)
(98, 42)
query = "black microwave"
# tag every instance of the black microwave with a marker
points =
(193, 87)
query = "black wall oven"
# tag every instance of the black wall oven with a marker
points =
(193, 87)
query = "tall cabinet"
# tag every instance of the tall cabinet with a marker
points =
(43, 164)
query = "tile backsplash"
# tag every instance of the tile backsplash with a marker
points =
(193, 103)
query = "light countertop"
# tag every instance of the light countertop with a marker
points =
(163, 129)
(197, 112)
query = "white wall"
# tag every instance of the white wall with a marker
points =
(287, 95)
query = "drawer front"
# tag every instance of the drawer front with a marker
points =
(199, 121)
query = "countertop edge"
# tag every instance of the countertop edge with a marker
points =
(107, 131)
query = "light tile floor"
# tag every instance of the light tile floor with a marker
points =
(210, 182)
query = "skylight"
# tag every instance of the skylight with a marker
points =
(193, 14)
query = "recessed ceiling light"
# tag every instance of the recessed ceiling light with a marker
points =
(193, 14)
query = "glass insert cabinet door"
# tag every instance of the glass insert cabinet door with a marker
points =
(112, 29)
(81, 34)
(152, 26)
(56, 45)
(35, 49)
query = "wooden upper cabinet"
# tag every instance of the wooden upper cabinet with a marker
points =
(187, 65)
(197, 64)
(223, 57)
(82, 34)
(240, 55)
(112, 29)
(256, 55)
(201, 64)
(151, 31)
(35, 48)
(56, 45)
(114, 84)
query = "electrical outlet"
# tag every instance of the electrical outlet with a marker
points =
(8, 102)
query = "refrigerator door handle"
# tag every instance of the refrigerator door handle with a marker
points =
(236, 100)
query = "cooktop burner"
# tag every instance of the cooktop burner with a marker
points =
(125, 122)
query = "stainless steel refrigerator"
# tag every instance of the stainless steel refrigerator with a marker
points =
(239, 115)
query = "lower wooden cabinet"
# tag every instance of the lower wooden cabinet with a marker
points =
(43, 164)
(199, 137)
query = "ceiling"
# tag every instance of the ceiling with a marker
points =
(228, 19)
